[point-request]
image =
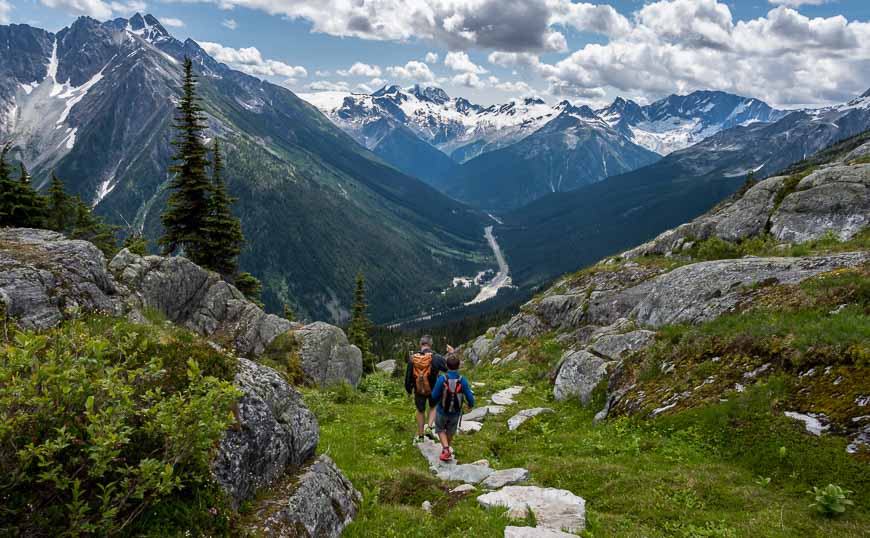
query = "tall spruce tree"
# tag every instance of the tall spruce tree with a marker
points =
(186, 214)
(360, 325)
(61, 211)
(223, 230)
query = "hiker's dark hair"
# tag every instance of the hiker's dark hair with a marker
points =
(426, 340)
(453, 362)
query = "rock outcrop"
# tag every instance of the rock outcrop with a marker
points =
(43, 276)
(326, 355)
(276, 431)
(834, 199)
(703, 291)
(580, 373)
(195, 298)
(321, 503)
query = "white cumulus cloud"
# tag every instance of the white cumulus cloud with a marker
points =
(172, 22)
(230, 23)
(326, 86)
(459, 61)
(5, 8)
(250, 61)
(360, 69)
(97, 9)
(413, 70)
(784, 57)
(431, 58)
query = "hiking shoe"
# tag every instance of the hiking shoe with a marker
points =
(418, 439)
(445, 454)
(430, 433)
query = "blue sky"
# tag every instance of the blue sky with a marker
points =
(788, 52)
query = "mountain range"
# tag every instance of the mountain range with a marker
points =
(562, 231)
(372, 185)
(503, 156)
(95, 103)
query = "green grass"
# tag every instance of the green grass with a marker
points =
(693, 474)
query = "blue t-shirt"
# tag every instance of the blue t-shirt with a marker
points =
(438, 391)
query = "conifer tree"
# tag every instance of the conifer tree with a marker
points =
(250, 286)
(185, 217)
(223, 230)
(32, 205)
(8, 189)
(90, 227)
(358, 332)
(288, 313)
(61, 211)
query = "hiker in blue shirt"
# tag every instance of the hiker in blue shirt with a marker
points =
(450, 390)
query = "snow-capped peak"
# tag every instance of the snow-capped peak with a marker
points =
(148, 28)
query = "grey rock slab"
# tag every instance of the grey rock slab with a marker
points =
(834, 199)
(505, 477)
(615, 346)
(322, 503)
(479, 414)
(388, 366)
(555, 509)
(580, 373)
(520, 418)
(43, 276)
(327, 355)
(196, 298)
(535, 532)
(506, 396)
(463, 488)
(703, 291)
(478, 350)
(426, 506)
(469, 473)
(276, 431)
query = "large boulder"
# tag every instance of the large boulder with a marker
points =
(578, 376)
(479, 349)
(43, 276)
(615, 346)
(834, 199)
(275, 431)
(703, 291)
(321, 503)
(326, 355)
(196, 298)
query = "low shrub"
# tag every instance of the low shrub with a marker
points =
(103, 420)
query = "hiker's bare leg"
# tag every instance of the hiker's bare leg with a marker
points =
(421, 418)
(445, 440)
(449, 439)
(432, 417)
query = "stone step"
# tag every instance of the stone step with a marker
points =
(555, 509)
(505, 477)
(535, 532)
(506, 396)
(478, 414)
(517, 420)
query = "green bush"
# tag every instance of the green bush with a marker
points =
(830, 500)
(103, 420)
(716, 248)
(282, 354)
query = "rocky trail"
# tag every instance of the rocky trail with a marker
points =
(557, 512)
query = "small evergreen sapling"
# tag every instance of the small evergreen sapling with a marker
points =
(358, 332)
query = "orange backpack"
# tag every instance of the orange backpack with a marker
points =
(422, 363)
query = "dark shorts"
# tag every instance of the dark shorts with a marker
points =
(447, 424)
(421, 401)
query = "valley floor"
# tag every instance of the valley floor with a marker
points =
(730, 470)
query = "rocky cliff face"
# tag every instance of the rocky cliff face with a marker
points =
(45, 278)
